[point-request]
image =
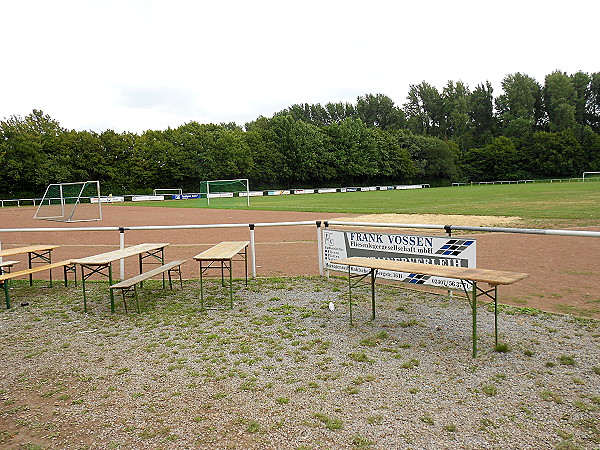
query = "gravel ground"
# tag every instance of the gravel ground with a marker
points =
(283, 371)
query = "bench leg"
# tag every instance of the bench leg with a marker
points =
(6, 293)
(124, 299)
(350, 293)
(373, 276)
(110, 283)
(83, 285)
(201, 289)
(230, 285)
(137, 300)
(474, 316)
(496, 314)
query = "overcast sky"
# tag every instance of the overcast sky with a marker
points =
(134, 65)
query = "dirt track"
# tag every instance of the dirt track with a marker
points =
(563, 271)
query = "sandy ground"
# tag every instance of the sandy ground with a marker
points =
(563, 271)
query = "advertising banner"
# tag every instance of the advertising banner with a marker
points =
(110, 199)
(441, 251)
(146, 198)
(184, 196)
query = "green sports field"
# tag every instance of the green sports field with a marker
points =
(578, 203)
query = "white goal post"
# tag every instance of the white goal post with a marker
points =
(168, 192)
(71, 202)
(226, 188)
(590, 173)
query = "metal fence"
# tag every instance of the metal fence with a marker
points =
(320, 227)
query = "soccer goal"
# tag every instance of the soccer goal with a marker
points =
(226, 192)
(170, 192)
(591, 176)
(71, 202)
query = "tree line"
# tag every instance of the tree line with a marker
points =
(453, 135)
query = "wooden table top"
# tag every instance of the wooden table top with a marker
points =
(224, 250)
(108, 257)
(27, 249)
(493, 277)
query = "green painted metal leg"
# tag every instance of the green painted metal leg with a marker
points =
(83, 285)
(137, 300)
(496, 314)
(373, 275)
(474, 315)
(112, 294)
(201, 289)
(350, 293)
(6, 294)
(230, 285)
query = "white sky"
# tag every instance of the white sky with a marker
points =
(134, 65)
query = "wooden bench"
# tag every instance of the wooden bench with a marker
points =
(131, 283)
(66, 265)
(224, 254)
(102, 264)
(36, 254)
(6, 266)
(493, 278)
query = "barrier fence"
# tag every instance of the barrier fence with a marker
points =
(320, 227)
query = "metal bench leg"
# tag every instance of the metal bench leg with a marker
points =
(6, 294)
(373, 276)
(350, 293)
(496, 314)
(110, 283)
(124, 300)
(230, 285)
(83, 285)
(201, 289)
(474, 315)
(137, 300)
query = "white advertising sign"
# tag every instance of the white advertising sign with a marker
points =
(441, 251)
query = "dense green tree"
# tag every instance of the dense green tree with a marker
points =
(593, 103)
(31, 156)
(560, 101)
(520, 106)
(434, 160)
(481, 111)
(498, 160)
(425, 110)
(458, 124)
(354, 149)
(379, 111)
(555, 155)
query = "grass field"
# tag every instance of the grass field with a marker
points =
(578, 202)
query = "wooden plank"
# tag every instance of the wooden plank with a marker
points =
(8, 276)
(222, 251)
(493, 277)
(146, 275)
(27, 249)
(108, 257)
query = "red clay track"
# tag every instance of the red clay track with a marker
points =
(564, 270)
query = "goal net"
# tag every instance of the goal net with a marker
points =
(71, 202)
(225, 193)
(591, 176)
(168, 192)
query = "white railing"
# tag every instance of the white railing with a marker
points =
(547, 180)
(318, 223)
